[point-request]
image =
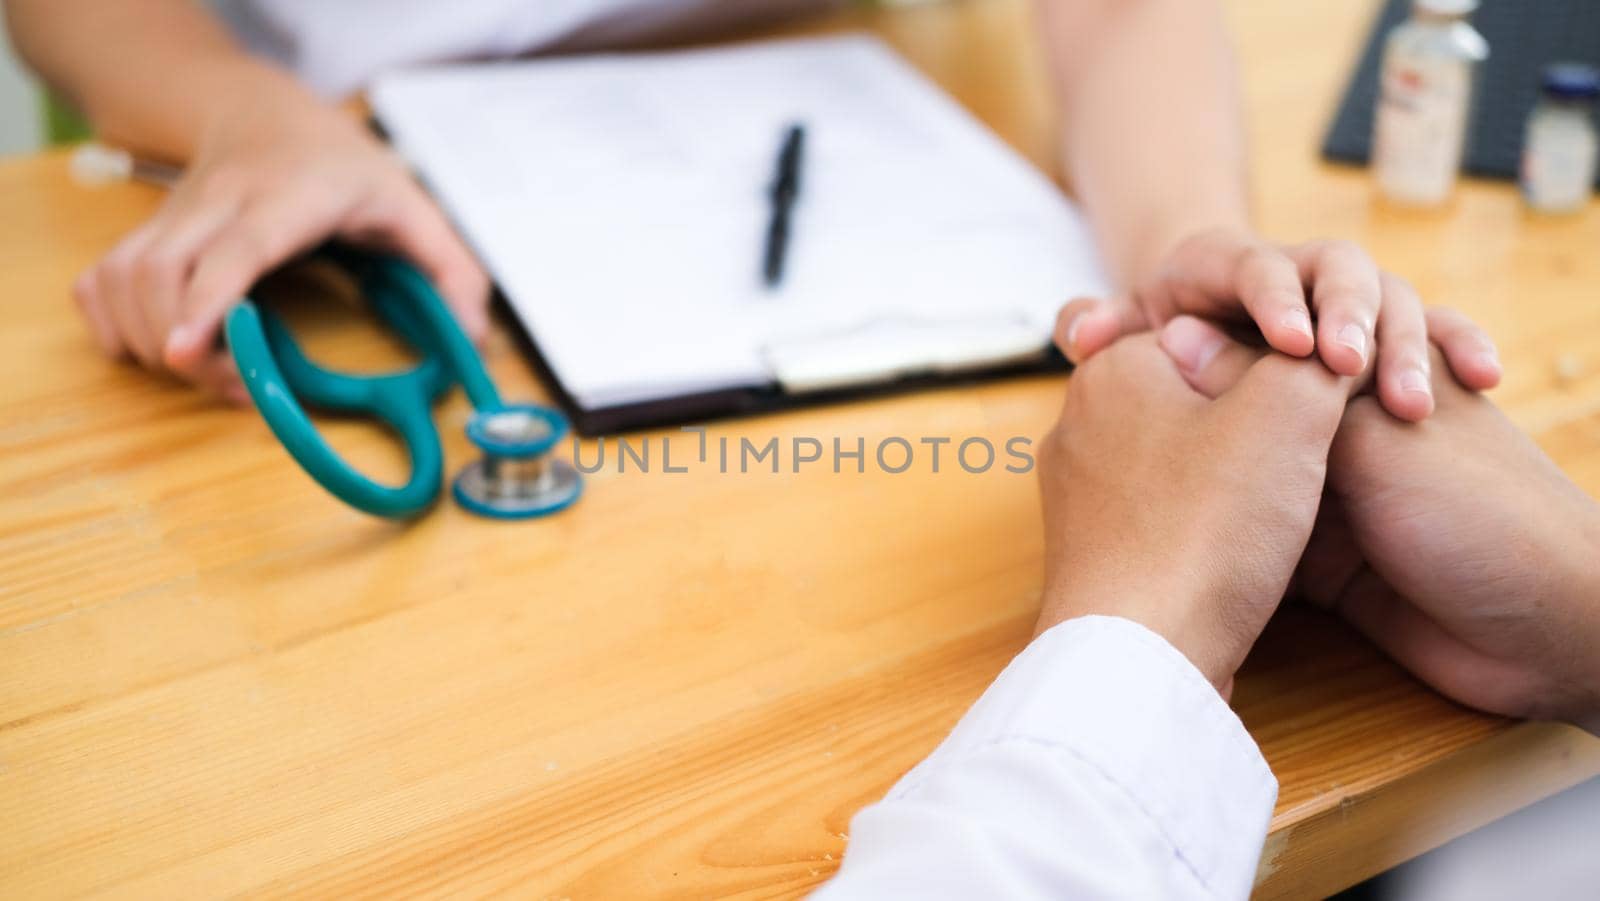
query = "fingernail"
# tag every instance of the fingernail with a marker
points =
(180, 338)
(1354, 337)
(1491, 359)
(1297, 321)
(1072, 332)
(1190, 343)
(1415, 381)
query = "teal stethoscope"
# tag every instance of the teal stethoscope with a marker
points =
(515, 479)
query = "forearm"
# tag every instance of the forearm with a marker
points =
(149, 74)
(1153, 133)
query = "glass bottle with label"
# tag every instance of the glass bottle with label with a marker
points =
(1425, 101)
(1560, 147)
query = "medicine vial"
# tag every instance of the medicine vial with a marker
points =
(1425, 101)
(1560, 147)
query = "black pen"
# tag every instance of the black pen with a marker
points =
(785, 189)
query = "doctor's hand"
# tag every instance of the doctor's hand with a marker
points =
(1198, 547)
(270, 180)
(1455, 544)
(1361, 314)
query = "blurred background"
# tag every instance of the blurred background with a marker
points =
(21, 121)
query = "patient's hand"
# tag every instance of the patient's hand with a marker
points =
(1362, 313)
(1198, 547)
(1462, 551)
(1456, 545)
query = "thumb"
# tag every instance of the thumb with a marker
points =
(1209, 360)
(263, 236)
(1088, 325)
(1426, 647)
(1278, 391)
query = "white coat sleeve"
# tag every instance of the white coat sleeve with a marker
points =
(1100, 764)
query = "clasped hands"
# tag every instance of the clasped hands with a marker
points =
(1194, 481)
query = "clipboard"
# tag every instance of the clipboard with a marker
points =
(619, 203)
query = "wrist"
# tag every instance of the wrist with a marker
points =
(269, 94)
(200, 98)
(1177, 613)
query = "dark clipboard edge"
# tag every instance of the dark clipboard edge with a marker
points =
(710, 406)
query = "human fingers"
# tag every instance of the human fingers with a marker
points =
(1346, 295)
(1405, 380)
(1133, 378)
(85, 295)
(270, 229)
(1137, 369)
(1207, 357)
(1431, 652)
(399, 216)
(178, 234)
(1088, 325)
(1223, 273)
(113, 286)
(1470, 352)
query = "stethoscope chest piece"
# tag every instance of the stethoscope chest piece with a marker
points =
(517, 478)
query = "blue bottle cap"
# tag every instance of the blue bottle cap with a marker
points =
(1571, 81)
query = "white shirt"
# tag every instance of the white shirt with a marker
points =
(1100, 764)
(337, 46)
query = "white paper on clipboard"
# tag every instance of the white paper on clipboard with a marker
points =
(620, 203)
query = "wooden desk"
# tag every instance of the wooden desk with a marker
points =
(216, 680)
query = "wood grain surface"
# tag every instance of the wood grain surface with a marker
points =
(215, 680)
